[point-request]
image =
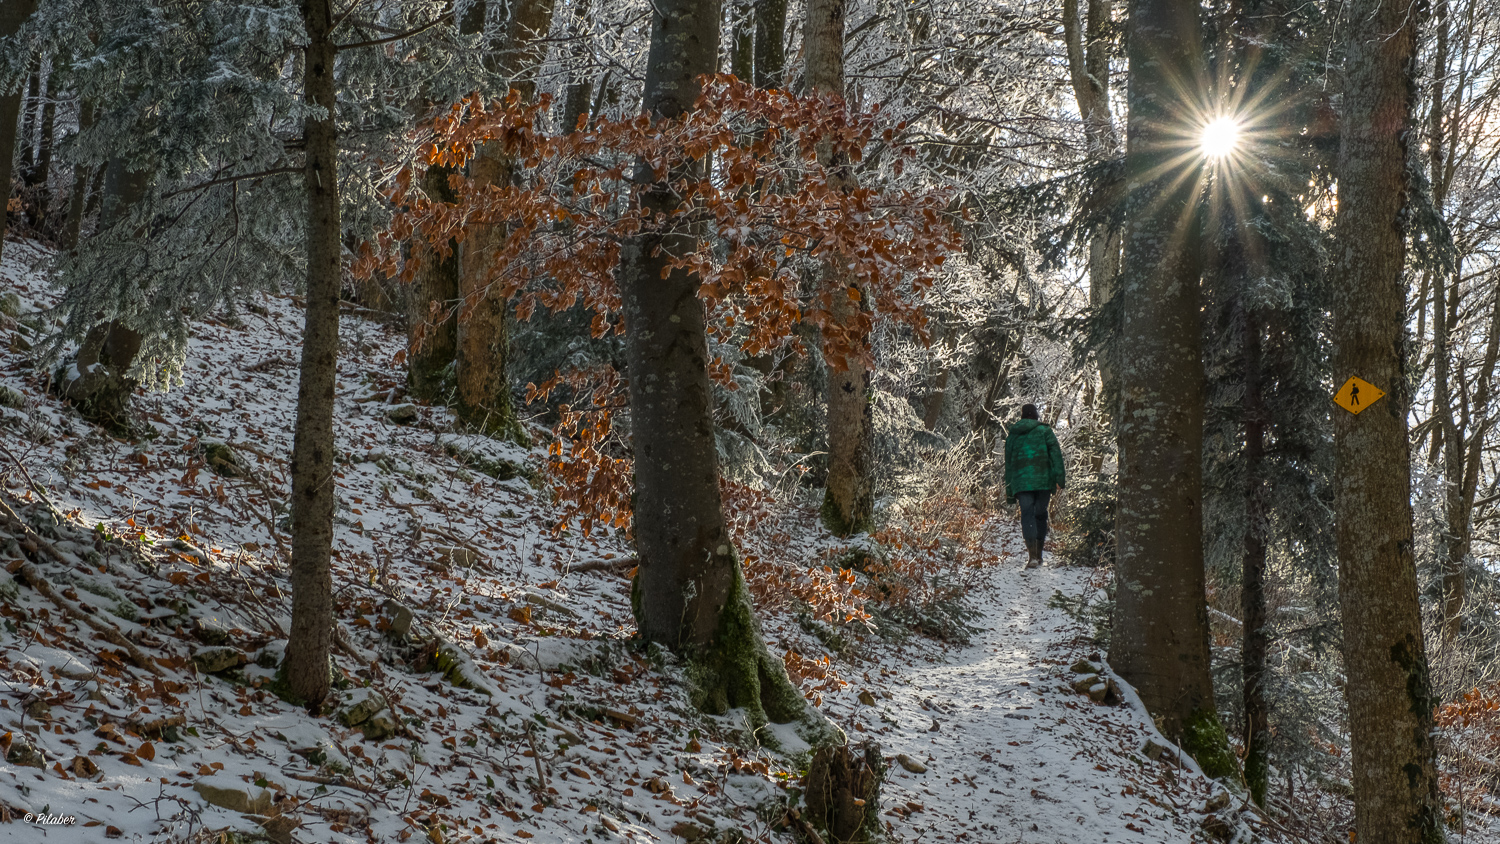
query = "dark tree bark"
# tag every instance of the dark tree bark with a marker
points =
(770, 43)
(932, 407)
(1160, 638)
(102, 390)
(688, 594)
(842, 793)
(1396, 798)
(849, 500)
(992, 367)
(13, 13)
(1255, 641)
(1242, 258)
(742, 40)
(687, 562)
(309, 645)
(1448, 442)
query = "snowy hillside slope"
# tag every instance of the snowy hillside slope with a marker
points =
(490, 689)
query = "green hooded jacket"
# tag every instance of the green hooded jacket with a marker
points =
(1033, 460)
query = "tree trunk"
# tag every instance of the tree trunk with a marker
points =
(679, 522)
(1396, 799)
(580, 88)
(1465, 486)
(1254, 644)
(688, 593)
(1244, 258)
(95, 202)
(483, 394)
(100, 385)
(101, 391)
(30, 117)
(1088, 71)
(1160, 638)
(932, 409)
(432, 300)
(309, 645)
(742, 40)
(770, 43)
(432, 315)
(78, 196)
(1104, 273)
(484, 398)
(842, 793)
(1449, 434)
(985, 420)
(849, 500)
(13, 13)
(42, 175)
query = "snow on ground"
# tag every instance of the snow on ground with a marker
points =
(1012, 752)
(516, 708)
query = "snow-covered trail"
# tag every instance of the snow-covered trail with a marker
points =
(1013, 753)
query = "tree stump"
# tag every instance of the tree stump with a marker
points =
(842, 791)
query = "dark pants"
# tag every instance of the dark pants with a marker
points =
(1034, 513)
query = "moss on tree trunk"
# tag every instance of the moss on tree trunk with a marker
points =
(737, 671)
(1204, 739)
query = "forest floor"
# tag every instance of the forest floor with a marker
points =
(490, 690)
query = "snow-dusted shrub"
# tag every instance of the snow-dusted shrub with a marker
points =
(1085, 522)
(937, 535)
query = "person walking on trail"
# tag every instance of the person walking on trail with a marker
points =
(1033, 471)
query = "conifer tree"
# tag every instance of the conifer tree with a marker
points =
(1267, 454)
(13, 14)
(100, 380)
(309, 645)
(227, 103)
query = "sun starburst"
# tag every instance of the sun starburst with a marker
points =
(1219, 138)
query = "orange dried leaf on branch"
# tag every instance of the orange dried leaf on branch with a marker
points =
(768, 200)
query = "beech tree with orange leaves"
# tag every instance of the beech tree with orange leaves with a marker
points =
(674, 227)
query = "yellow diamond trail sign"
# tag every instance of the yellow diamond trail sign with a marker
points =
(1357, 394)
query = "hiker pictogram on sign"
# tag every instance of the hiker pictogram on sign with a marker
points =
(1357, 394)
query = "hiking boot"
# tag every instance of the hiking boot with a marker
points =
(1034, 550)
